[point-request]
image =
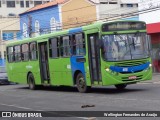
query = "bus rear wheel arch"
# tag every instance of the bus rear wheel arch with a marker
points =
(81, 83)
(31, 81)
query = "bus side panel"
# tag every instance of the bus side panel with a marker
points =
(21, 70)
(14, 71)
(9, 67)
(17, 69)
(55, 71)
(33, 67)
(77, 64)
(60, 71)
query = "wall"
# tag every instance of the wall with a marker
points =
(78, 13)
(43, 16)
(110, 11)
(9, 24)
(107, 10)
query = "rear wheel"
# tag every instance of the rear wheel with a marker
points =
(31, 82)
(81, 84)
(121, 86)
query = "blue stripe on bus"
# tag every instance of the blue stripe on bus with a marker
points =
(75, 30)
(77, 66)
(131, 69)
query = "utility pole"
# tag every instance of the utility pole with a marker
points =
(30, 25)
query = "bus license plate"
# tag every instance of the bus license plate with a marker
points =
(132, 77)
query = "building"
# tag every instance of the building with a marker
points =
(55, 15)
(149, 12)
(9, 21)
(63, 14)
(41, 19)
(116, 9)
(9, 30)
(78, 12)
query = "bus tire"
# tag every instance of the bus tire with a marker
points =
(31, 82)
(121, 86)
(81, 84)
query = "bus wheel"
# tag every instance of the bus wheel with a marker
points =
(121, 86)
(31, 82)
(81, 84)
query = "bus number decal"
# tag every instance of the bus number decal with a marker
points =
(125, 69)
(68, 66)
(28, 67)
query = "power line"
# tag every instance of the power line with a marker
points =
(71, 10)
(85, 21)
(40, 13)
(86, 16)
(127, 15)
(5, 21)
(10, 25)
(88, 6)
(74, 9)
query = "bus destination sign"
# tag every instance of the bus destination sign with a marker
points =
(118, 26)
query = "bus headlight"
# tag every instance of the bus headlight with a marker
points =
(107, 69)
(150, 65)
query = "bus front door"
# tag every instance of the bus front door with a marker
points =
(43, 60)
(94, 58)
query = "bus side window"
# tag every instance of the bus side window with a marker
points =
(10, 54)
(79, 44)
(54, 48)
(25, 50)
(17, 53)
(33, 51)
(65, 46)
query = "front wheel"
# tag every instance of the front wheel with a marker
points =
(81, 84)
(121, 86)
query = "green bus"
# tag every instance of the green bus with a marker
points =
(100, 54)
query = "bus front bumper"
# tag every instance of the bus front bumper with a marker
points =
(111, 78)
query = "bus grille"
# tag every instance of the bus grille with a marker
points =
(125, 79)
(131, 63)
(130, 72)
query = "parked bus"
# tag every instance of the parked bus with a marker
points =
(100, 54)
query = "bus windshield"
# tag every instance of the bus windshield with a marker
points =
(125, 46)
